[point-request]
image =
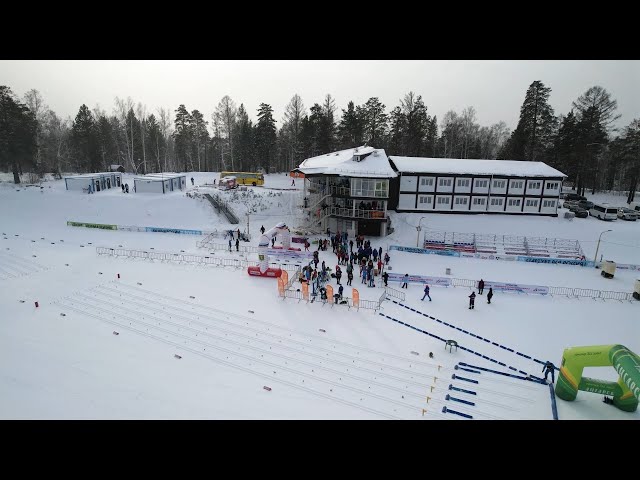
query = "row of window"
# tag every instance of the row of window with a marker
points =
(480, 201)
(483, 183)
(367, 187)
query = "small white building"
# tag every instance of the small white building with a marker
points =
(98, 181)
(160, 183)
(447, 185)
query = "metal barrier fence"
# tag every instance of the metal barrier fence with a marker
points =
(563, 291)
(364, 304)
(392, 292)
(223, 207)
(186, 258)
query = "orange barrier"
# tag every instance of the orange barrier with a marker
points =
(281, 285)
(305, 291)
(330, 293)
(355, 296)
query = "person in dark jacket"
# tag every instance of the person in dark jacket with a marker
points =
(404, 281)
(229, 244)
(262, 229)
(549, 368)
(385, 277)
(237, 244)
(490, 295)
(386, 259)
(426, 292)
(349, 276)
(472, 299)
(192, 181)
(480, 286)
(380, 252)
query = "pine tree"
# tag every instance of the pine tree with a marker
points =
(183, 138)
(200, 135)
(397, 129)
(351, 127)
(533, 137)
(375, 122)
(84, 141)
(244, 141)
(265, 137)
(416, 124)
(18, 128)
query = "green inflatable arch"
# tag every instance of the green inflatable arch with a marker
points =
(625, 392)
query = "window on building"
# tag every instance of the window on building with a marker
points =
(463, 182)
(514, 202)
(481, 183)
(531, 203)
(462, 200)
(426, 181)
(424, 199)
(479, 201)
(443, 200)
(549, 203)
(445, 182)
(516, 184)
(368, 187)
(498, 183)
(534, 185)
(496, 201)
(552, 185)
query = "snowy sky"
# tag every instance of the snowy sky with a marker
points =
(495, 88)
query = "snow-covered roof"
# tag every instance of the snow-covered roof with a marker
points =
(374, 165)
(458, 166)
(92, 175)
(159, 176)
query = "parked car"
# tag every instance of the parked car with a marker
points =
(580, 212)
(586, 204)
(569, 203)
(574, 206)
(627, 214)
(574, 196)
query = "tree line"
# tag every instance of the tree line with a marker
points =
(582, 143)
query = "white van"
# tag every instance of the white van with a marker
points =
(604, 211)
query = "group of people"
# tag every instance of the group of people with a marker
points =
(125, 187)
(472, 297)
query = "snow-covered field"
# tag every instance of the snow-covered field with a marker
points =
(235, 336)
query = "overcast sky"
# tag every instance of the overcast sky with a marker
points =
(495, 88)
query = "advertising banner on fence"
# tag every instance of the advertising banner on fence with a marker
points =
(92, 225)
(437, 281)
(426, 251)
(292, 254)
(517, 288)
(557, 261)
(173, 230)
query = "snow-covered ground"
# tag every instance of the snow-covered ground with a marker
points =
(234, 335)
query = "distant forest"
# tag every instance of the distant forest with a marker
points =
(582, 143)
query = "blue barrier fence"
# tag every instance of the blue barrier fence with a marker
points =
(554, 407)
(472, 334)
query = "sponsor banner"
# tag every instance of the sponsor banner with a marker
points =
(173, 230)
(558, 261)
(625, 266)
(92, 225)
(288, 253)
(298, 239)
(447, 253)
(517, 288)
(437, 281)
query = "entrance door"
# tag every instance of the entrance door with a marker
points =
(108, 183)
(98, 186)
(118, 180)
(368, 228)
